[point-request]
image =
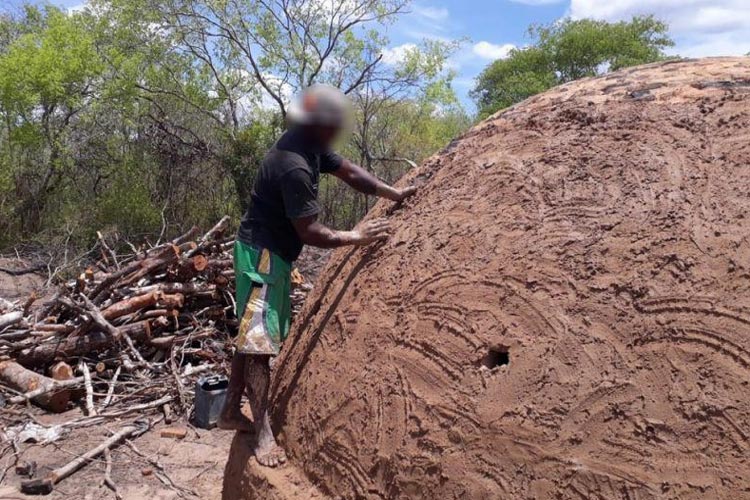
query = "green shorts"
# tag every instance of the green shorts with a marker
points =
(263, 304)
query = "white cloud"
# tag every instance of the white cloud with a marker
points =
(77, 8)
(487, 50)
(395, 55)
(700, 27)
(431, 13)
(427, 22)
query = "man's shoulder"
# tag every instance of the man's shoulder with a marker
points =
(282, 161)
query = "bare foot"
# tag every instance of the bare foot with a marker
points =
(274, 456)
(234, 420)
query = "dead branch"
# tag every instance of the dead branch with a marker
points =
(111, 389)
(44, 486)
(90, 410)
(92, 342)
(210, 235)
(107, 481)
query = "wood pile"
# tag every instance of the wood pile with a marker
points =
(125, 339)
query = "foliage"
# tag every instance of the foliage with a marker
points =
(568, 50)
(47, 76)
(146, 117)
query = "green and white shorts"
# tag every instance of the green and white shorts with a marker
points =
(263, 303)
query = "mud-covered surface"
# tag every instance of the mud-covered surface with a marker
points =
(596, 237)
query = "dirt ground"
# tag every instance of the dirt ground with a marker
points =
(563, 310)
(14, 287)
(195, 463)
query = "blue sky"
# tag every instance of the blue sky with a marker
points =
(491, 27)
(699, 27)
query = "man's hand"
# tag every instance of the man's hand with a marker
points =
(372, 230)
(404, 193)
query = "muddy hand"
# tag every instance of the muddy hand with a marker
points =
(373, 230)
(405, 193)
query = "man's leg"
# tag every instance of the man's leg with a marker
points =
(258, 378)
(231, 417)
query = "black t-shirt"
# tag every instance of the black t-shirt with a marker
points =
(286, 188)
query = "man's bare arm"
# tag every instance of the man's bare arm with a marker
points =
(364, 182)
(316, 234)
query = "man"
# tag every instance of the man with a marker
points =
(282, 217)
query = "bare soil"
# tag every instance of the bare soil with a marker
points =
(562, 312)
(17, 284)
(195, 463)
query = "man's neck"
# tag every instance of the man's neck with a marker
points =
(306, 139)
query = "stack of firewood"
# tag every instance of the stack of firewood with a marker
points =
(152, 319)
(161, 314)
(126, 338)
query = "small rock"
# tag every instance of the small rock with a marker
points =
(174, 432)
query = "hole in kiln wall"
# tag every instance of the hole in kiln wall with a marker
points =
(496, 356)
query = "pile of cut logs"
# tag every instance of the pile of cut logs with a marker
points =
(164, 312)
(127, 337)
(161, 311)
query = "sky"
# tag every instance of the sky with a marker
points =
(490, 28)
(699, 27)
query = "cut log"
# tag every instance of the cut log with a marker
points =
(179, 241)
(190, 235)
(181, 288)
(210, 236)
(169, 340)
(187, 247)
(53, 327)
(58, 385)
(10, 318)
(21, 379)
(93, 341)
(150, 314)
(152, 299)
(152, 265)
(134, 271)
(61, 371)
(200, 262)
(189, 267)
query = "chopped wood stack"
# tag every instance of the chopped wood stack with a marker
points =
(124, 340)
(150, 319)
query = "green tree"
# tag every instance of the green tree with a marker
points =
(47, 76)
(144, 117)
(239, 62)
(566, 51)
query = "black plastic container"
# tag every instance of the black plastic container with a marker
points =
(210, 394)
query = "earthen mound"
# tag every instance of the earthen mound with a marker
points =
(562, 312)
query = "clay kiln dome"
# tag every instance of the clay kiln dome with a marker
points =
(562, 312)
